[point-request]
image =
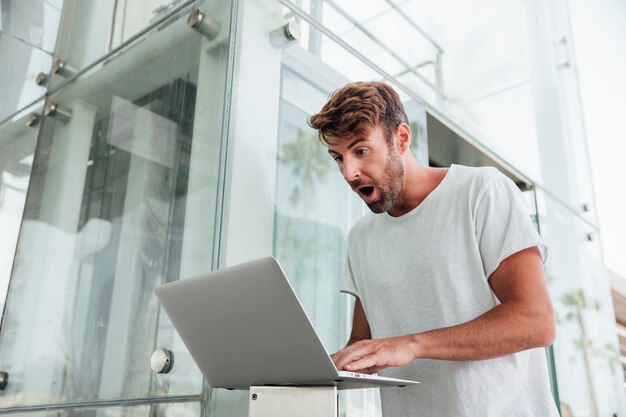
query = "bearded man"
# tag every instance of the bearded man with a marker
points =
(447, 272)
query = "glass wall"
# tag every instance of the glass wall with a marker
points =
(123, 197)
(586, 348)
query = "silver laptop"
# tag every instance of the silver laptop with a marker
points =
(244, 326)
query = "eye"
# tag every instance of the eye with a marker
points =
(338, 158)
(361, 151)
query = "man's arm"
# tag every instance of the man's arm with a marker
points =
(523, 320)
(360, 326)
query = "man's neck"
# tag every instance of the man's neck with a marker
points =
(419, 182)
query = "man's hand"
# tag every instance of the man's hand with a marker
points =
(370, 356)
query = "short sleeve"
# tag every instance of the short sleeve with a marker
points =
(349, 286)
(503, 223)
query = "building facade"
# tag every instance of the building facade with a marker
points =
(148, 141)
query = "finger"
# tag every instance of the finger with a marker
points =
(341, 362)
(364, 363)
(348, 358)
(340, 357)
(351, 354)
(337, 357)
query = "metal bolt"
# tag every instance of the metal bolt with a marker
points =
(32, 120)
(60, 113)
(41, 79)
(199, 21)
(60, 67)
(254, 397)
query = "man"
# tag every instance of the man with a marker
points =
(448, 272)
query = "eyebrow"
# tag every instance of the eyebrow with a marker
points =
(355, 142)
(351, 145)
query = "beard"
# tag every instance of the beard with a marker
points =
(390, 186)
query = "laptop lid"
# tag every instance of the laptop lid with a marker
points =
(244, 326)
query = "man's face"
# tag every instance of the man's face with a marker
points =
(371, 167)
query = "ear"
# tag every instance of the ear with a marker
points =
(403, 135)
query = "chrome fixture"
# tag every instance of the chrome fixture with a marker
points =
(41, 79)
(199, 21)
(32, 120)
(60, 113)
(285, 35)
(61, 68)
(162, 361)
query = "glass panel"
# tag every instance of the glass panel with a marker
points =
(122, 198)
(312, 217)
(18, 78)
(558, 109)
(161, 410)
(35, 22)
(17, 145)
(92, 28)
(589, 374)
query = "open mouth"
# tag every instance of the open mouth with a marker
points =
(366, 191)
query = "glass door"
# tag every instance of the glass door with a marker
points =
(123, 197)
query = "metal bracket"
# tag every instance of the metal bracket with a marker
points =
(293, 401)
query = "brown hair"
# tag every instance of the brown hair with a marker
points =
(356, 108)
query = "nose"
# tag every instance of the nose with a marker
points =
(351, 170)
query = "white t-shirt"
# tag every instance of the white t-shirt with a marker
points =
(429, 269)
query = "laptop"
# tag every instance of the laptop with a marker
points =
(244, 326)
